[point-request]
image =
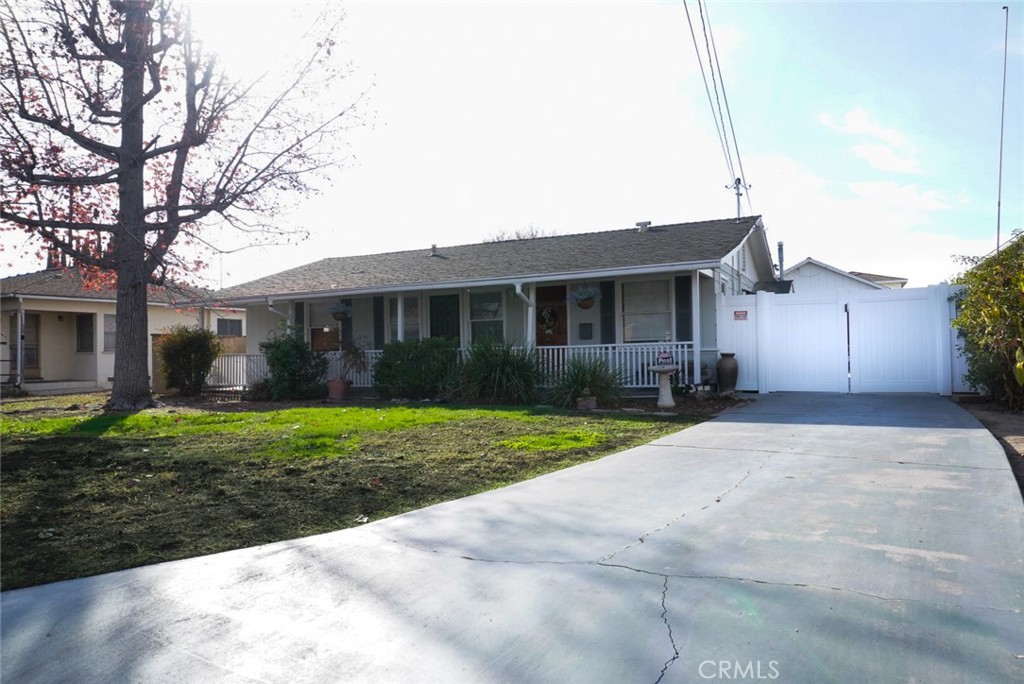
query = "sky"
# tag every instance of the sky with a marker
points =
(868, 132)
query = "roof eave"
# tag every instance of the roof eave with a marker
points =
(478, 282)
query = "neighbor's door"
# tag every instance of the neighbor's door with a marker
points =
(552, 326)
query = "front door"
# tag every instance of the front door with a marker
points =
(552, 326)
(30, 365)
(444, 316)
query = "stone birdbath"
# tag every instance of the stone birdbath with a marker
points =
(664, 370)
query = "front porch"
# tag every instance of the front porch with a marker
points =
(631, 361)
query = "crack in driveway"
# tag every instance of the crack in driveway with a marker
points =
(671, 637)
(718, 499)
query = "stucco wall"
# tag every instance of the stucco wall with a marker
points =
(58, 355)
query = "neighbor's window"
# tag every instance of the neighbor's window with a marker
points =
(410, 321)
(84, 337)
(486, 316)
(109, 332)
(646, 311)
(229, 327)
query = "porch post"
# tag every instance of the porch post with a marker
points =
(531, 318)
(695, 303)
(401, 317)
(21, 342)
(97, 348)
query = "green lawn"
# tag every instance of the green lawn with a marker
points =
(86, 492)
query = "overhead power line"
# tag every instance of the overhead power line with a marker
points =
(728, 112)
(719, 114)
(707, 89)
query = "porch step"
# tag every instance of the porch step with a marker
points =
(45, 387)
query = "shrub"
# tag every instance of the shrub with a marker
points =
(580, 373)
(294, 371)
(991, 322)
(258, 391)
(187, 354)
(416, 369)
(499, 373)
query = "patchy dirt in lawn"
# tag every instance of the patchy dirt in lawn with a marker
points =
(77, 504)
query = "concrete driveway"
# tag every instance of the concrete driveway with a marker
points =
(804, 538)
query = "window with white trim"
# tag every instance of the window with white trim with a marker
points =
(487, 316)
(646, 311)
(410, 318)
(229, 327)
(84, 337)
(109, 332)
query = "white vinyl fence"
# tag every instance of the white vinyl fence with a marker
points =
(845, 341)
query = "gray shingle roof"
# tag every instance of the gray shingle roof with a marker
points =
(874, 277)
(67, 284)
(678, 244)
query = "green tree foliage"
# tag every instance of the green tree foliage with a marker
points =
(294, 371)
(579, 374)
(187, 354)
(498, 372)
(416, 369)
(991, 322)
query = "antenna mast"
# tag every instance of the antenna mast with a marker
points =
(1002, 120)
(738, 185)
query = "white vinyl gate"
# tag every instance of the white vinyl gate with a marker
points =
(845, 341)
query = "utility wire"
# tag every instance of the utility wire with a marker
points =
(725, 97)
(700, 61)
(714, 82)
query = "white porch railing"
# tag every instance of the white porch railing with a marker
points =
(631, 361)
(237, 371)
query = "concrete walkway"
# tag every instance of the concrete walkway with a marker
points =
(802, 539)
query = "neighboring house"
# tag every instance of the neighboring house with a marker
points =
(891, 282)
(811, 275)
(656, 290)
(57, 335)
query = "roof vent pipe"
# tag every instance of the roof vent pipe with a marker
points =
(433, 250)
(642, 226)
(782, 270)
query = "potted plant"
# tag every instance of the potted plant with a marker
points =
(585, 296)
(353, 360)
(341, 310)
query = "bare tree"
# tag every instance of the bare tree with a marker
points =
(528, 233)
(120, 137)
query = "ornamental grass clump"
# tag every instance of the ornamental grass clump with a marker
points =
(500, 373)
(579, 374)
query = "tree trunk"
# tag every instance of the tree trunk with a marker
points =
(131, 359)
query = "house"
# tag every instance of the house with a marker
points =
(811, 275)
(623, 295)
(57, 335)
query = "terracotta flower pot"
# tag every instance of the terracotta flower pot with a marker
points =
(337, 389)
(728, 371)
